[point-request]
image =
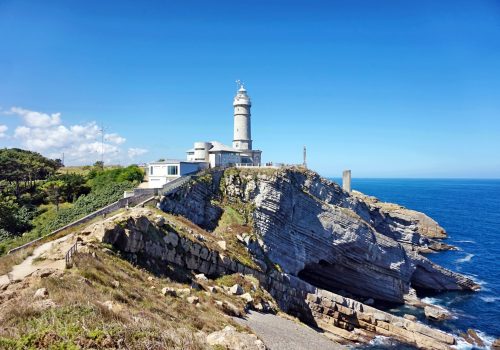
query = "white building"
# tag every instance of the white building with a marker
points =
(213, 154)
(159, 173)
(218, 154)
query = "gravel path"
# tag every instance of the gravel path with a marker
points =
(279, 333)
(26, 267)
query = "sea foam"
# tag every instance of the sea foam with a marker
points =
(467, 258)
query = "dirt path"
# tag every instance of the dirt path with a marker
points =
(27, 267)
(279, 333)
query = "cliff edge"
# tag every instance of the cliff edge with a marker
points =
(310, 228)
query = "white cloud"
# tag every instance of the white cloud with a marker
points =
(36, 119)
(81, 144)
(3, 129)
(114, 138)
(134, 152)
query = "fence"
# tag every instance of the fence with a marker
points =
(121, 203)
(69, 255)
(140, 198)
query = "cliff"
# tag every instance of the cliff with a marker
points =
(314, 230)
(165, 243)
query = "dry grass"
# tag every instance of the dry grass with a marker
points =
(7, 262)
(142, 318)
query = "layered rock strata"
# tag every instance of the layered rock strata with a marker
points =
(140, 236)
(314, 230)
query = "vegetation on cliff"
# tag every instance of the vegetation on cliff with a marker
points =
(38, 195)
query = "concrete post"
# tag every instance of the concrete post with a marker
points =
(346, 180)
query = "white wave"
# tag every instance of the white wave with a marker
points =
(463, 345)
(467, 258)
(477, 280)
(490, 299)
(380, 340)
(487, 339)
(465, 241)
(433, 301)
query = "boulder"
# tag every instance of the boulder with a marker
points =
(46, 272)
(247, 297)
(193, 300)
(45, 304)
(201, 277)
(159, 220)
(410, 317)
(228, 308)
(41, 293)
(229, 338)
(112, 306)
(472, 338)
(235, 290)
(436, 313)
(496, 344)
(222, 245)
(168, 291)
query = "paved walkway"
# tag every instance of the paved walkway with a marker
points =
(279, 333)
(26, 267)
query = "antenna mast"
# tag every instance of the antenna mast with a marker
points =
(102, 145)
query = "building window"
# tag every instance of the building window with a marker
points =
(172, 170)
(150, 170)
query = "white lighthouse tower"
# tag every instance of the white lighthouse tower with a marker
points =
(242, 139)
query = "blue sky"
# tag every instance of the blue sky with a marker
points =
(385, 88)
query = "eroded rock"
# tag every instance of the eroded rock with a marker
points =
(232, 339)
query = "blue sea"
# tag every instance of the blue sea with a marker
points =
(469, 210)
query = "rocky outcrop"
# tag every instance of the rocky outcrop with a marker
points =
(314, 230)
(230, 338)
(138, 235)
(413, 229)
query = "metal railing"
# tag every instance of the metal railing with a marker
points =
(69, 255)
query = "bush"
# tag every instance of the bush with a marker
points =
(86, 204)
(129, 174)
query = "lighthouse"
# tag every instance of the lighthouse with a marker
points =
(242, 139)
(216, 154)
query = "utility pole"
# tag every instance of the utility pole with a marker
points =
(305, 157)
(102, 145)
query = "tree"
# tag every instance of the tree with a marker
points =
(74, 186)
(14, 219)
(23, 168)
(54, 188)
(99, 164)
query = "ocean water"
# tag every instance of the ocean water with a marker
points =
(469, 210)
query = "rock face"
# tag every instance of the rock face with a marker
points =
(314, 230)
(343, 317)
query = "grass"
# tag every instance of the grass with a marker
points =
(83, 170)
(142, 317)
